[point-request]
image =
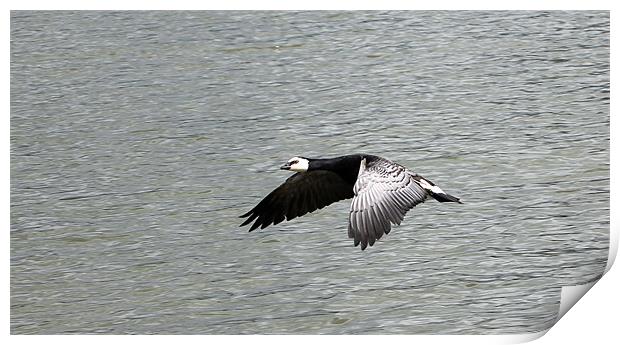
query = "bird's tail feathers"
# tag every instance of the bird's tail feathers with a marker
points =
(443, 197)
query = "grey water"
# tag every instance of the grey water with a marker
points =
(138, 138)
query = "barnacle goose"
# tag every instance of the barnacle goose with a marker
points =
(382, 193)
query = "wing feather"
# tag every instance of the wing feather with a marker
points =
(298, 195)
(384, 215)
(384, 192)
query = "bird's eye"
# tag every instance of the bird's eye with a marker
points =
(294, 162)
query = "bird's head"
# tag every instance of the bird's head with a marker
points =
(298, 164)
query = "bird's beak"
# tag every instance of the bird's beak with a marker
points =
(286, 166)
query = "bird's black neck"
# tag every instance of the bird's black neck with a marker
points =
(346, 167)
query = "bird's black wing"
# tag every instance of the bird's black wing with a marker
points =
(301, 193)
(384, 192)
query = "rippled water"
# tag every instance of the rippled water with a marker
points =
(138, 138)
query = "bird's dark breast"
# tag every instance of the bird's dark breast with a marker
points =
(349, 174)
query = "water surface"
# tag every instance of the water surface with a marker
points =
(138, 138)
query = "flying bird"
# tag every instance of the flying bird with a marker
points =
(382, 192)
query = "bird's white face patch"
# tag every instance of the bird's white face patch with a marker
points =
(298, 164)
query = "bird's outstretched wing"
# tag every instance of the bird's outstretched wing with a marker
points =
(384, 192)
(301, 193)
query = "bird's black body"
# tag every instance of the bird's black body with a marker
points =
(383, 192)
